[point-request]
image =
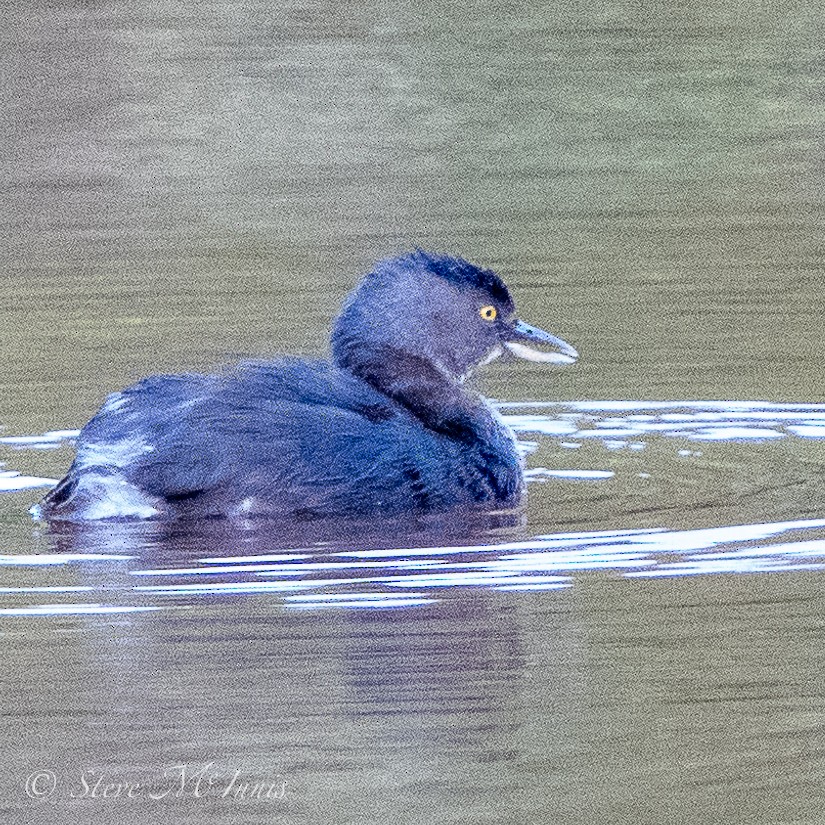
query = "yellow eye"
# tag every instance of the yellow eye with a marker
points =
(488, 313)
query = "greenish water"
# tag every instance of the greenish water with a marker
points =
(185, 186)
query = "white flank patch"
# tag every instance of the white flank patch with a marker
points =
(113, 454)
(245, 507)
(115, 403)
(119, 499)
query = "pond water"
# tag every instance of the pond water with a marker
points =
(643, 642)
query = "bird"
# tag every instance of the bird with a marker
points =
(387, 426)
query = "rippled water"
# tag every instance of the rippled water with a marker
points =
(642, 643)
(322, 577)
(508, 663)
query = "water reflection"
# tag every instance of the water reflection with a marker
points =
(370, 573)
(406, 564)
(628, 423)
(11, 481)
(44, 441)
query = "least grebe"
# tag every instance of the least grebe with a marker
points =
(387, 427)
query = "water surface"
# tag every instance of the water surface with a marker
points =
(183, 187)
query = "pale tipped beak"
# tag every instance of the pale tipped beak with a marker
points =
(537, 345)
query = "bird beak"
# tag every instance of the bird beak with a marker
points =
(535, 344)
